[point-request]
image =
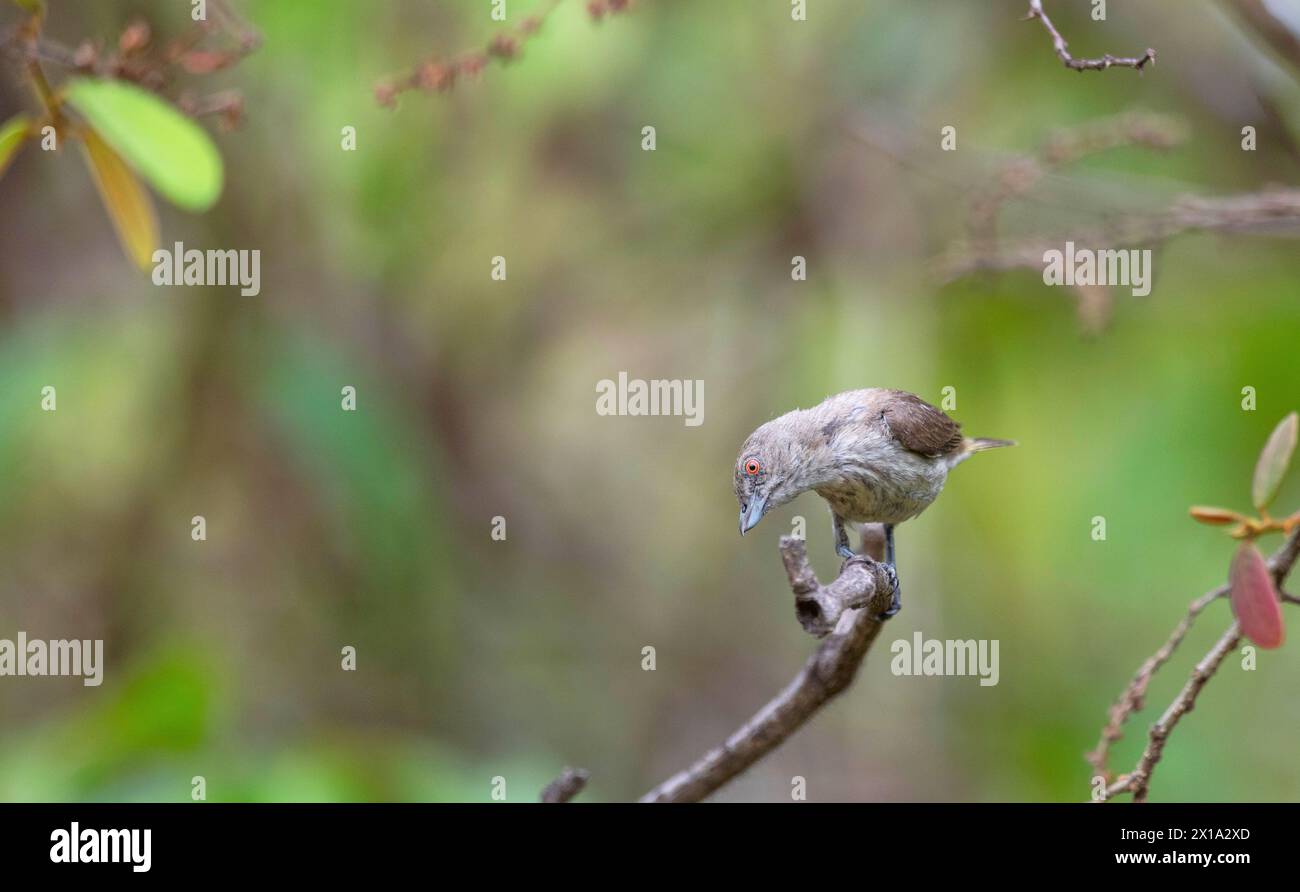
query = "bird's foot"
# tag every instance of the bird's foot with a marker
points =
(896, 603)
(845, 552)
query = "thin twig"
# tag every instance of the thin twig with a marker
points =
(566, 786)
(1134, 695)
(1138, 780)
(827, 672)
(1140, 777)
(1101, 64)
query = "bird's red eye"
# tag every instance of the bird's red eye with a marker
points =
(752, 467)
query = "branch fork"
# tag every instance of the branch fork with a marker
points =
(844, 614)
(1138, 781)
(818, 607)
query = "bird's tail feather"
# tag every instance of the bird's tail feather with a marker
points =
(979, 444)
(972, 445)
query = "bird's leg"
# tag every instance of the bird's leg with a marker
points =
(896, 604)
(841, 537)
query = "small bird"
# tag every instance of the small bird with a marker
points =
(875, 456)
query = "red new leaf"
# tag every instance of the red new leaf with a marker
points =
(1254, 599)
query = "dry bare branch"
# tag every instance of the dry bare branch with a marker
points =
(1066, 147)
(1271, 211)
(1138, 781)
(1140, 777)
(1101, 64)
(1134, 696)
(831, 668)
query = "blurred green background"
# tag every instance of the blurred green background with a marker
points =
(480, 658)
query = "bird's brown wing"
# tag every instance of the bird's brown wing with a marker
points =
(919, 426)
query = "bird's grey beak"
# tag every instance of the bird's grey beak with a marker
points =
(754, 513)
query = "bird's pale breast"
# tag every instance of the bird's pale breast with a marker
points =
(891, 490)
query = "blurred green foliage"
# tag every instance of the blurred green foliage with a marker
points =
(480, 658)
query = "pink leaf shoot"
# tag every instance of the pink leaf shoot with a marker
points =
(1254, 599)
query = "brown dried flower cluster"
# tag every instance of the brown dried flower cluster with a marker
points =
(207, 47)
(438, 75)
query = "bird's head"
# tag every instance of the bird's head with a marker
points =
(764, 474)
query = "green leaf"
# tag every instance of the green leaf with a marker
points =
(1274, 461)
(37, 7)
(174, 154)
(13, 133)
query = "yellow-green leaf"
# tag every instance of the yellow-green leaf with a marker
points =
(1274, 461)
(37, 7)
(174, 154)
(13, 133)
(127, 202)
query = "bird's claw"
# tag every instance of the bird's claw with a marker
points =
(896, 603)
